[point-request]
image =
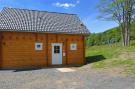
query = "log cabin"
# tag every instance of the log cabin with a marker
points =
(33, 38)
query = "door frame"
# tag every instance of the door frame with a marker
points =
(59, 44)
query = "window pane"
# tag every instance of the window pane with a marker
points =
(56, 49)
(38, 46)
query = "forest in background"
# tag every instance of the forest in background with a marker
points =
(108, 37)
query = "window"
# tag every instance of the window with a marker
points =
(38, 46)
(73, 46)
(56, 49)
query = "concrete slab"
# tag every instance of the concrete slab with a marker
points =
(65, 69)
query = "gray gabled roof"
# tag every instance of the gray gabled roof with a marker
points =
(23, 20)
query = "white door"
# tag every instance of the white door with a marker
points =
(56, 53)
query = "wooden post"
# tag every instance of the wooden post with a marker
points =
(84, 50)
(0, 50)
(47, 49)
(66, 49)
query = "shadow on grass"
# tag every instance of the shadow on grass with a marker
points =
(96, 58)
(26, 69)
(19, 69)
(38, 68)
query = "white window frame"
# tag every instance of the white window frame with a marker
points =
(41, 46)
(73, 46)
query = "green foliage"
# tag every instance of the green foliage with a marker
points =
(108, 37)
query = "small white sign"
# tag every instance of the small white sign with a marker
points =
(64, 54)
(38, 46)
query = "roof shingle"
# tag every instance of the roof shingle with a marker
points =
(24, 20)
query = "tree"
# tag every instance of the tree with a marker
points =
(121, 11)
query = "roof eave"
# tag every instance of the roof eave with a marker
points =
(8, 30)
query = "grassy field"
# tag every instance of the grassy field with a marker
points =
(111, 56)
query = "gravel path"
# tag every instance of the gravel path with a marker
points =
(81, 78)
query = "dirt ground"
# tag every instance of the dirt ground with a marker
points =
(66, 78)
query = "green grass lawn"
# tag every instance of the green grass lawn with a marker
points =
(109, 56)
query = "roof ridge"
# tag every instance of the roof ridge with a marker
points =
(38, 10)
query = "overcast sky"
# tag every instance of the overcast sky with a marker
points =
(85, 9)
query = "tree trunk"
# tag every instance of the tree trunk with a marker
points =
(122, 34)
(127, 34)
(127, 12)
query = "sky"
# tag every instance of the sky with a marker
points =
(85, 9)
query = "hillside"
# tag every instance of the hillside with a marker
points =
(108, 37)
(104, 51)
(110, 56)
